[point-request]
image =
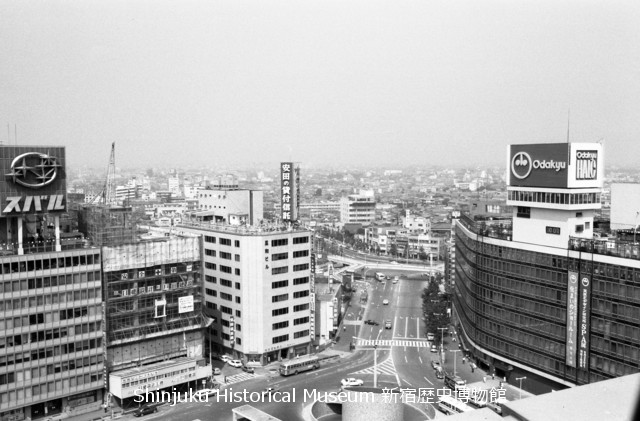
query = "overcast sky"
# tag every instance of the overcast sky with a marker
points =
(373, 82)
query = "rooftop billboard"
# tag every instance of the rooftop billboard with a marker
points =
(33, 180)
(555, 165)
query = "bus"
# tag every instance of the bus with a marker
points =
(380, 276)
(453, 382)
(298, 364)
(451, 406)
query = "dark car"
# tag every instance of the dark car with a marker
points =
(144, 410)
(250, 370)
(371, 322)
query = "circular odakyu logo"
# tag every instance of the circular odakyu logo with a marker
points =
(34, 169)
(521, 165)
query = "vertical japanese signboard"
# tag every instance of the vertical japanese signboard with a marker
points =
(312, 294)
(290, 191)
(572, 319)
(232, 330)
(583, 323)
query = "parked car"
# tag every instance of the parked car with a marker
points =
(387, 324)
(144, 410)
(371, 322)
(394, 262)
(216, 371)
(396, 279)
(225, 358)
(435, 364)
(201, 394)
(385, 302)
(430, 336)
(249, 370)
(351, 382)
(235, 363)
(434, 348)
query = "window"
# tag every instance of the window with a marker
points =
(237, 300)
(523, 212)
(225, 255)
(300, 281)
(238, 313)
(279, 256)
(211, 253)
(211, 292)
(236, 271)
(301, 334)
(209, 265)
(225, 241)
(237, 243)
(297, 268)
(225, 283)
(225, 269)
(300, 294)
(300, 253)
(579, 228)
(300, 240)
(587, 225)
(301, 320)
(279, 284)
(280, 325)
(280, 311)
(301, 307)
(277, 271)
(225, 296)
(279, 339)
(278, 298)
(209, 239)
(237, 256)
(280, 242)
(226, 310)
(211, 279)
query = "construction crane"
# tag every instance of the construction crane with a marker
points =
(108, 194)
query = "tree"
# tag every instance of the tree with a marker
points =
(434, 307)
(393, 250)
(422, 254)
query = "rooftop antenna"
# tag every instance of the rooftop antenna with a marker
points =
(568, 123)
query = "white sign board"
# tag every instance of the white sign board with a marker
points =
(185, 304)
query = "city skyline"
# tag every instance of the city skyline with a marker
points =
(378, 83)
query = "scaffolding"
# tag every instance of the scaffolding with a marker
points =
(105, 225)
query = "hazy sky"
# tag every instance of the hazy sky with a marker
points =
(235, 82)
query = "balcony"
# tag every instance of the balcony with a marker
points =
(488, 226)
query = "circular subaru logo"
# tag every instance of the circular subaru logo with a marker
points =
(34, 169)
(521, 165)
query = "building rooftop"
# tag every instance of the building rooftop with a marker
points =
(270, 229)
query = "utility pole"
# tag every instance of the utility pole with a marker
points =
(520, 379)
(455, 357)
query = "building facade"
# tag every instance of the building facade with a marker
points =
(540, 295)
(258, 291)
(237, 207)
(358, 208)
(51, 340)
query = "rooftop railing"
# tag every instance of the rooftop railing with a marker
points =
(44, 246)
(488, 226)
(608, 247)
(240, 229)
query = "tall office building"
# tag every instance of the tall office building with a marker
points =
(358, 208)
(258, 290)
(51, 339)
(538, 295)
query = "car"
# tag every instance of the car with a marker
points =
(394, 262)
(235, 363)
(435, 364)
(216, 371)
(371, 322)
(430, 336)
(496, 405)
(385, 302)
(249, 370)
(201, 394)
(396, 279)
(388, 278)
(387, 324)
(434, 348)
(144, 410)
(351, 382)
(225, 358)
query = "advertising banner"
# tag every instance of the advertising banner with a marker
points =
(285, 190)
(572, 319)
(583, 323)
(185, 304)
(538, 165)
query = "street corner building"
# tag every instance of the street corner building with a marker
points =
(551, 291)
(51, 332)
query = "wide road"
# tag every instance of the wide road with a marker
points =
(403, 360)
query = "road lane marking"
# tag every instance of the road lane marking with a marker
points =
(428, 381)
(420, 358)
(405, 357)
(407, 382)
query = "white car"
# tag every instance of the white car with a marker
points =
(394, 263)
(225, 358)
(201, 394)
(385, 302)
(235, 363)
(351, 382)
(434, 348)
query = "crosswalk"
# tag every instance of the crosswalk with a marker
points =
(386, 367)
(391, 342)
(238, 378)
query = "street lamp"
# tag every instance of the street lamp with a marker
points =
(520, 379)
(455, 357)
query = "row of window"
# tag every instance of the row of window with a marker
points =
(49, 281)
(555, 198)
(126, 383)
(223, 282)
(226, 310)
(49, 299)
(81, 382)
(285, 310)
(52, 263)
